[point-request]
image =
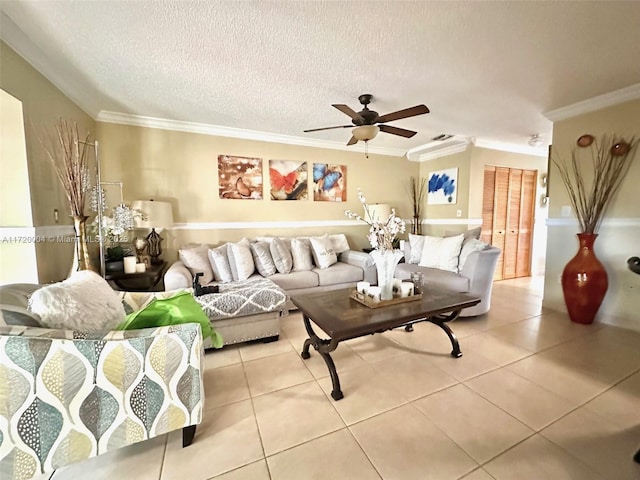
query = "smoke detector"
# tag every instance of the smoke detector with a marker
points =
(535, 140)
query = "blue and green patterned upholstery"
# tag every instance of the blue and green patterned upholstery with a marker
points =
(66, 396)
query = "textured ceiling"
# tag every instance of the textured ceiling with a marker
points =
(487, 70)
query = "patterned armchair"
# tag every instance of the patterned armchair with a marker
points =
(65, 397)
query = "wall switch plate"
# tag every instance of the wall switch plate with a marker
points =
(458, 213)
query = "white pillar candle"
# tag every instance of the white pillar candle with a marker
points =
(130, 264)
(140, 267)
(362, 286)
(396, 282)
(406, 289)
(374, 293)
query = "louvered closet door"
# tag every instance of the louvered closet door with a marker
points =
(507, 218)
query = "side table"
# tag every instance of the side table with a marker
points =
(147, 281)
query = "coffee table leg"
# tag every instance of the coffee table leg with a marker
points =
(440, 321)
(323, 347)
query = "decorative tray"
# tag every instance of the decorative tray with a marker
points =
(368, 301)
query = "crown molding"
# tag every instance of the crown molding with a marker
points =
(596, 103)
(436, 149)
(220, 131)
(512, 148)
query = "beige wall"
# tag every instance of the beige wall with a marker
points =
(181, 168)
(43, 104)
(619, 234)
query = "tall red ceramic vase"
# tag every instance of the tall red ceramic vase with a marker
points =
(584, 282)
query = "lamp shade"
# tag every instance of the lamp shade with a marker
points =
(156, 214)
(365, 132)
(377, 212)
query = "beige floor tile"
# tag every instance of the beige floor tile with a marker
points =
(557, 325)
(495, 348)
(519, 334)
(253, 471)
(294, 415)
(140, 461)
(253, 350)
(479, 427)
(607, 448)
(373, 348)
(620, 404)
(365, 394)
(343, 357)
(538, 459)
(413, 375)
(463, 327)
(404, 444)
(223, 357)
(530, 403)
(225, 385)
(336, 455)
(479, 474)
(426, 338)
(470, 365)
(277, 372)
(226, 439)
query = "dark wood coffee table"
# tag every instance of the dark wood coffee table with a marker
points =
(343, 318)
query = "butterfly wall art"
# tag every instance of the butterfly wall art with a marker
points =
(288, 180)
(240, 177)
(329, 182)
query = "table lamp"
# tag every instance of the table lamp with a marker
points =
(377, 212)
(156, 215)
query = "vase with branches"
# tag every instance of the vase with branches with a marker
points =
(417, 189)
(591, 176)
(69, 156)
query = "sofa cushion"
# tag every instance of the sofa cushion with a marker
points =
(196, 260)
(442, 253)
(469, 246)
(301, 254)
(84, 302)
(262, 258)
(416, 243)
(281, 253)
(240, 259)
(471, 233)
(339, 273)
(293, 280)
(434, 277)
(219, 261)
(14, 302)
(323, 253)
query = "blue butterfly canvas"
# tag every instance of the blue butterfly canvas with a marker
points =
(443, 187)
(329, 182)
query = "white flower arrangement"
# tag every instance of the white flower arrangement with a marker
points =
(381, 233)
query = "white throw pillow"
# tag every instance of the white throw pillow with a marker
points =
(219, 261)
(442, 253)
(416, 243)
(240, 259)
(196, 260)
(301, 254)
(84, 302)
(281, 254)
(323, 253)
(469, 246)
(262, 258)
(339, 242)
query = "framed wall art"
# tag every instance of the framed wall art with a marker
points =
(329, 182)
(443, 187)
(240, 177)
(288, 180)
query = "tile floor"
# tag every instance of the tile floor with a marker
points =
(533, 397)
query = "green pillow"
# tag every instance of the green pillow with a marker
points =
(180, 308)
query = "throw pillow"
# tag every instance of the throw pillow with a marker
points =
(469, 246)
(339, 242)
(301, 254)
(416, 243)
(262, 258)
(281, 255)
(196, 260)
(240, 259)
(442, 253)
(323, 253)
(84, 302)
(219, 261)
(14, 301)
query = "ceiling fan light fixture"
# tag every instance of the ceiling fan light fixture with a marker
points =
(365, 132)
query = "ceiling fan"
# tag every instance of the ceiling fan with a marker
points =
(368, 123)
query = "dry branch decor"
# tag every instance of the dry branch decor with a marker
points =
(417, 190)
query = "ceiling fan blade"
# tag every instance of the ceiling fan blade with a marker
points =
(352, 141)
(327, 128)
(397, 131)
(347, 110)
(407, 112)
